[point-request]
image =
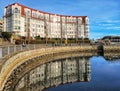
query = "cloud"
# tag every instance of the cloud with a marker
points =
(104, 25)
(113, 27)
(96, 35)
(113, 21)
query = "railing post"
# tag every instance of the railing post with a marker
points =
(8, 50)
(14, 48)
(28, 46)
(21, 47)
(1, 53)
(34, 46)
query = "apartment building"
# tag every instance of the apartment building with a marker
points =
(1, 25)
(111, 39)
(28, 22)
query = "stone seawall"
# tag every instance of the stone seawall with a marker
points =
(9, 64)
(113, 48)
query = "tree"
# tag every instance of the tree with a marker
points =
(6, 35)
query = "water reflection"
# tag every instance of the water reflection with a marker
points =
(112, 56)
(105, 74)
(57, 72)
(105, 77)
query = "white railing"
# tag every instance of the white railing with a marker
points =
(11, 49)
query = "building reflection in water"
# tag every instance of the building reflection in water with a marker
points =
(112, 56)
(54, 73)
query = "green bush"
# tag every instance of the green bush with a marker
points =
(6, 35)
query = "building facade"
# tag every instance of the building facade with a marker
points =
(28, 22)
(112, 39)
(1, 25)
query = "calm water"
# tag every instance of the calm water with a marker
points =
(105, 76)
(74, 74)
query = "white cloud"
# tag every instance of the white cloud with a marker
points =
(96, 35)
(113, 28)
(104, 25)
(112, 21)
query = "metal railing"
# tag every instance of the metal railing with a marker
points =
(11, 49)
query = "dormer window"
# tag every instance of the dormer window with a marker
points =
(16, 10)
(86, 20)
(27, 12)
(8, 10)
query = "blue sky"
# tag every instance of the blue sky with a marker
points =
(104, 15)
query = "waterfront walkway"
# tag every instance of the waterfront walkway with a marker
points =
(14, 56)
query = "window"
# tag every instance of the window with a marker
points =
(15, 27)
(8, 10)
(18, 22)
(15, 21)
(15, 15)
(16, 10)
(34, 14)
(27, 12)
(18, 27)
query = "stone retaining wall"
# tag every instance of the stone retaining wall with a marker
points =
(11, 63)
